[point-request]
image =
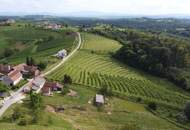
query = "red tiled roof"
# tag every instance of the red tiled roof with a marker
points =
(50, 85)
(14, 75)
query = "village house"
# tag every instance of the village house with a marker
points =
(99, 100)
(51, 86)
(38, 83)
(52, 26)
(7, 22)
(61, 54)
(28, 70)
(5, 69)
(12, 78)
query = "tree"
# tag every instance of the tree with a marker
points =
(67, 79)
(30, 61)
(152, 105)
(106, 91)
(8, 52)
(36, 101)
(42, 65)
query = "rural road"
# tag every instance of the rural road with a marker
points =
(19, 94)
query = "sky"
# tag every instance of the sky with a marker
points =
(130, 7)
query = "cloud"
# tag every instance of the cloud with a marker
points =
(115, 6)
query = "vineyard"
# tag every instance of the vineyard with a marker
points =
(94, 69)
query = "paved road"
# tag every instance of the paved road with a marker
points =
(19, 95)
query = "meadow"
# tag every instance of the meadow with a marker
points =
(31, 41)
(80, 114)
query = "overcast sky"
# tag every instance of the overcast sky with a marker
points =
(147, 7)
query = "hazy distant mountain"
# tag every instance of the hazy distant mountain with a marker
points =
(95, 15)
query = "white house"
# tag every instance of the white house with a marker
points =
(12, 78)
(99, 99)
(62, 54)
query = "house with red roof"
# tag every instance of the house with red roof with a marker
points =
(12, 78)
(49, 87)
(27, 70)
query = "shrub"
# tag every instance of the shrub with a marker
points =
(25, 120)
(67, 79)
(152, 105)
(106, 91)
(42, 65)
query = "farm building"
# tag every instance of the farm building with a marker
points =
(99, 99)
(38, 83)
(62, 54)
(51, 86)
(12, 78)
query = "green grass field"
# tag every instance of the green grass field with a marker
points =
(79, 114)
(25, 41)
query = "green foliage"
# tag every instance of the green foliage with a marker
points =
(3, 88)
(152, 105)
(65, 90)
(67, 79)
(42, 65)
(25, 120)
(106, 91)
(30, 61)
(152, 53)
(8, 52)
(36, 101)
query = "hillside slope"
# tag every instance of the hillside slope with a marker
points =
(19, 41)
(93, 67)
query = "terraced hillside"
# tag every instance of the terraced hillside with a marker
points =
(92, 68)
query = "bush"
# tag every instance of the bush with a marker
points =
(106, 91)
(139, 99)
(67, 79)
(25, 120)
(152, 105)
(42, 65)
(18, 112)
